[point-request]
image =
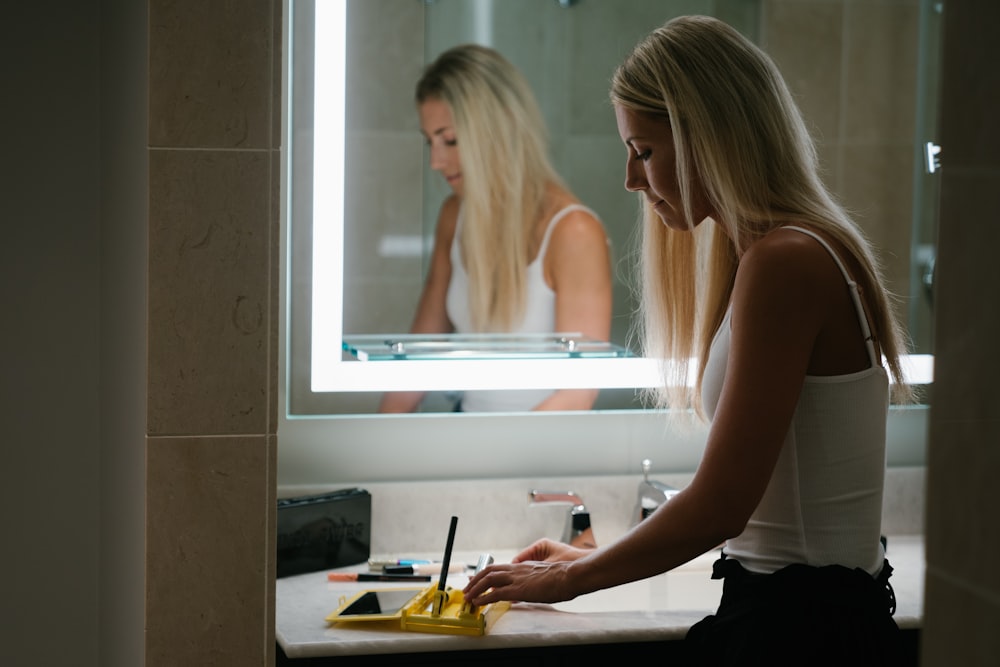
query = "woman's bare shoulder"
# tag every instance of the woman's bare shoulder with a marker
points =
(791, 267)
(580, 223)
(787, 253)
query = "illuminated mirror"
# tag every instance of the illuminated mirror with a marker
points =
(362, 204)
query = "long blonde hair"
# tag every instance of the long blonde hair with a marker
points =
(738, 131)
(506, 174)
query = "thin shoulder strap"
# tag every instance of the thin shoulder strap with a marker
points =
(562, 213)
(855, 294)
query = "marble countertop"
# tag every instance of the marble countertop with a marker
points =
(656, 609)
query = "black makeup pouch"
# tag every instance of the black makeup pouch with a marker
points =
(324, 531)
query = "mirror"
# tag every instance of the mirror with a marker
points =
(362, 275)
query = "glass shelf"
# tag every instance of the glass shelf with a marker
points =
(386, 347)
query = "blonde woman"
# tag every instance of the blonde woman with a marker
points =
(514, 250)
(750, 267)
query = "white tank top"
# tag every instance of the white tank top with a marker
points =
(823, 503)
(539, 317)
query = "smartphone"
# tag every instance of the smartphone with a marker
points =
(375, 605)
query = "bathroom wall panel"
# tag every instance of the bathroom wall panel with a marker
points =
(210, 73)
(210, 69)
(851, 66)
(963, 585)
(384, 166)
(969, 463)
(960, 626)
(383, 219)
(214, 205)
(881, 83)
(535, 36)
(806, 41)
(600, 183)
(207, 582)
(879, 119)
(877, 187)
(740, 13)
(602, 35)
(383, 72)
(972, 93)
(965, 429)
(209, 292)
(595, 164)
(276, 55)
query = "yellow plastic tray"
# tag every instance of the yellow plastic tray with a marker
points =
(427, 610)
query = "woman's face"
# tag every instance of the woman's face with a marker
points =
(651, 168)
(438, 128)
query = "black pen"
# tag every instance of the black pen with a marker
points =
(445, 564)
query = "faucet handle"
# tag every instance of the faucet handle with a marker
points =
(536, 497)
(578, 531)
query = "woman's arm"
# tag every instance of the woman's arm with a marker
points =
(431, 315)
(779, 302)
(578, 269)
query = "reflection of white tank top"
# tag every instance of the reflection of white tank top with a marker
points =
(539, 317)
(823, 503)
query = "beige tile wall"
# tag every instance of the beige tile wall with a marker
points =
(214, 135)
(963, 507)
(385, 160)
(852, 65)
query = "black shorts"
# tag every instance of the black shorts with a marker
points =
(800, 615)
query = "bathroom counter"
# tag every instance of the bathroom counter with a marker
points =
(654, 610)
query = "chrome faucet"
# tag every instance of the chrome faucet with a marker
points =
(578, 532)
(652, 494)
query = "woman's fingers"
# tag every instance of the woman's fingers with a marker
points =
(530, 581)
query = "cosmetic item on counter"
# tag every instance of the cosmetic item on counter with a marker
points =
(379, 563)
(323, 532)
(485, 560)
(424, 568)
(369, 576)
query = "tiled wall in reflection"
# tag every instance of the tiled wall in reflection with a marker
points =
(851, 65)
(853, 69)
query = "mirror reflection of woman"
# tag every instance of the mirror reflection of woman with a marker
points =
(750, 267)
(514, 250)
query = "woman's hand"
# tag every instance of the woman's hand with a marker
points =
(540, 573)
(550, 551)
(528, 581)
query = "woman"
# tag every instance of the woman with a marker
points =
(514, 250)
(750, 267)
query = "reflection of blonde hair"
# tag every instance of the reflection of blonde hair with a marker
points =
(739, 133)
(503, 149)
